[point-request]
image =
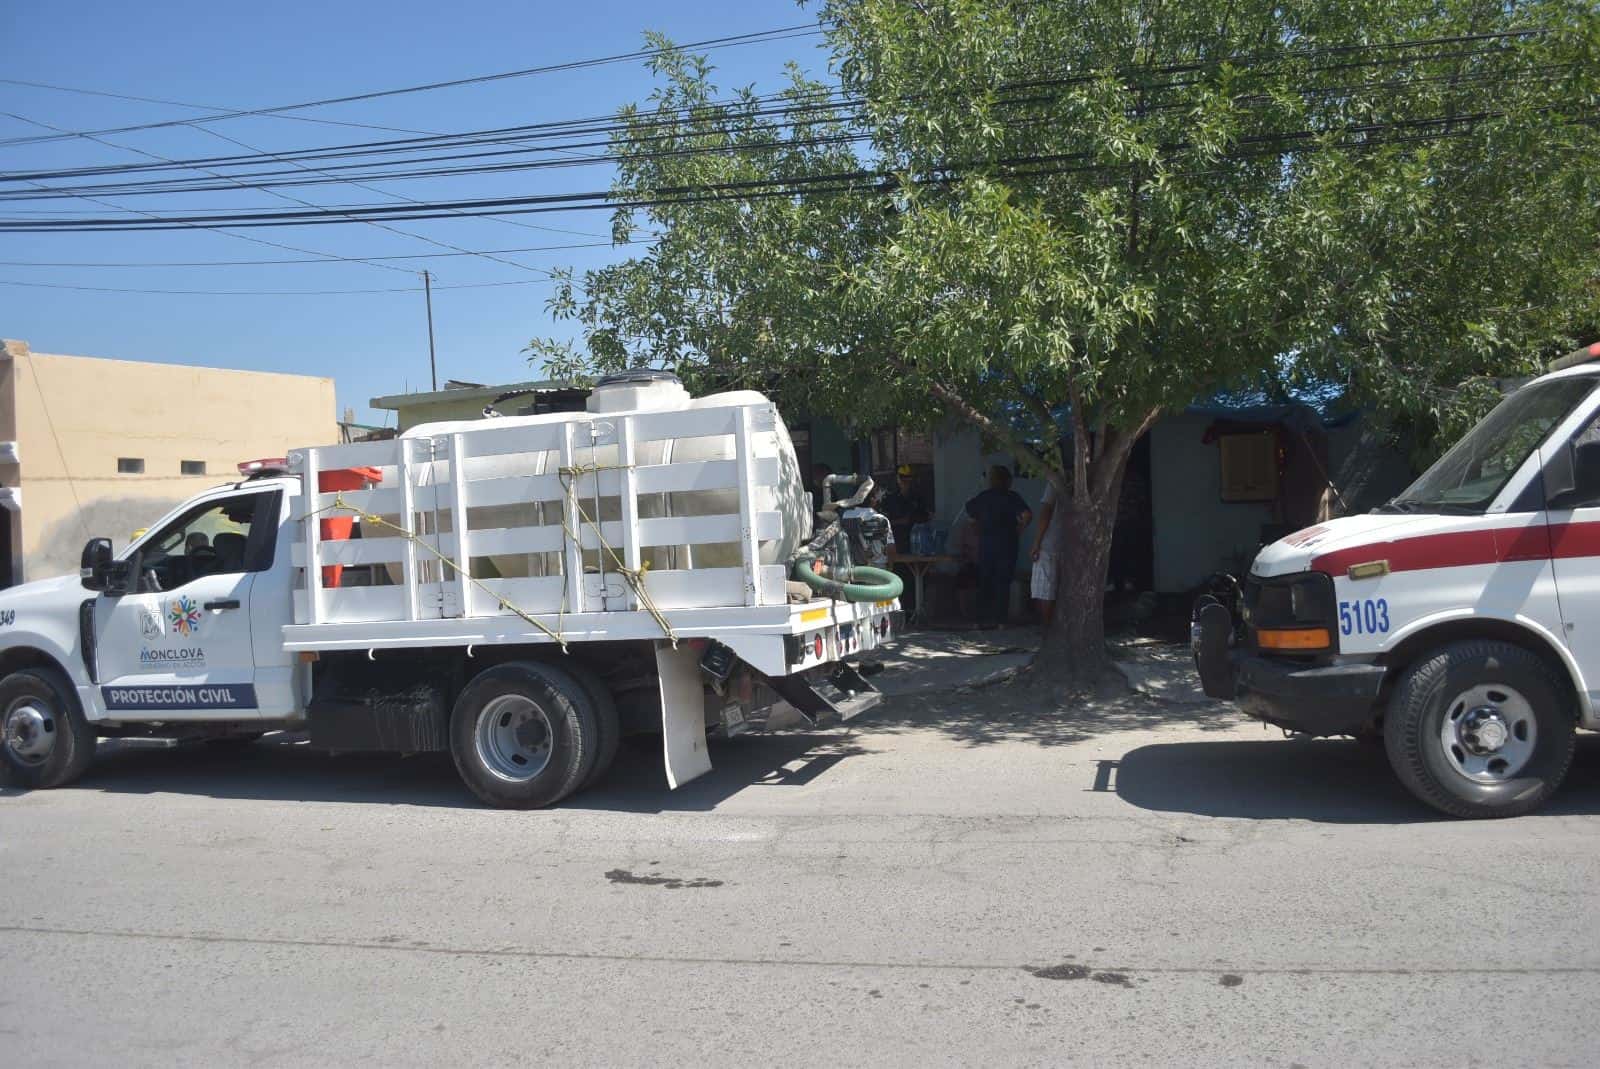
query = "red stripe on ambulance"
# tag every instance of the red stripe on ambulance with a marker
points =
(1464, 549)
(1450, 549)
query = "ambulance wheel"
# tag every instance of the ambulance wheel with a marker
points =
(520, 737)
(45, 741)
(1480, 729)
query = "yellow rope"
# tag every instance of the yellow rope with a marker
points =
(633, 576)
(504, 603)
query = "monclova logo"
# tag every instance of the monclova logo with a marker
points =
(184, 615)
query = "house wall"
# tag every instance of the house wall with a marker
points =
(436, 411)
(74, 416)
(1195, 532)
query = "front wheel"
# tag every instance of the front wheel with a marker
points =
(45, 741)
(1480, 729)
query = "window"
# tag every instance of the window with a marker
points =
(1471, 475)
(1249, 467)
(130, 465)
(213, 538)
(192, 467)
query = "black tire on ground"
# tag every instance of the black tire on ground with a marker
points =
(567, 682)
(69, 739)
(1435, 696)
(608, 726)
(526, 768)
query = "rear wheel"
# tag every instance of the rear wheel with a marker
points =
(608, 725)
(1480, 729)
(45, 741)
(522, 736)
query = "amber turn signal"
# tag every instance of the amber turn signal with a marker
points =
(1301, 638)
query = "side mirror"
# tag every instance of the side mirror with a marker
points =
(94, 563)
(1560, 477)
(99, 571)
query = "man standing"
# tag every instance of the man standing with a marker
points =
(1047, 545)
(904, 508)
(1000, 515)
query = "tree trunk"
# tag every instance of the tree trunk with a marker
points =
(1072, 655)
(1073, 651)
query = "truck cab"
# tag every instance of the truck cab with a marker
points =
(183, 625)
(1459, 623)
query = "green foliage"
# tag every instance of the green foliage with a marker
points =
(1110, 207)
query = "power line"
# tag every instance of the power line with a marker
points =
(759, 37)
(606, 126)
(202, 107)
(1362, 137)
(837, 119)
(242, 237)
(270, 293)
(382, 226)
(305, 260)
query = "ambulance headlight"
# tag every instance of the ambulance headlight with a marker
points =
(1302, 600)
(1311, 599)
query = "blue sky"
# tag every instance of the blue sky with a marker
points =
(247, 57)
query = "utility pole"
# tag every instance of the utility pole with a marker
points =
(427, 290)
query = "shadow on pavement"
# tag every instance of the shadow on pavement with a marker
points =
(638, 780)
(285, 768)
(1334, 781)
(1007, 712)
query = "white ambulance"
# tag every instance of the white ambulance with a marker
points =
(1459, 623)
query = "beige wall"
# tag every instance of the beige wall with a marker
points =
(74, 416)
(436, 411)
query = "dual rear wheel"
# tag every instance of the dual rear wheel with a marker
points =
(527, 734)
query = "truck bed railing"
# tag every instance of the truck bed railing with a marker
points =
(571, 516)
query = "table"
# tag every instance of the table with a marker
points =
(920, 564)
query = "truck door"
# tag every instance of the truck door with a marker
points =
(179, 648)
(1575, 551)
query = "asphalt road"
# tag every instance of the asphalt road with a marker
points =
(942, 884)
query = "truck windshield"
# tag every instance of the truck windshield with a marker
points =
(1473, 472)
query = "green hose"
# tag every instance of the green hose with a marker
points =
(861, 583)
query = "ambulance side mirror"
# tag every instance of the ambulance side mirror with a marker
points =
(1572, 476)
(1561, 477)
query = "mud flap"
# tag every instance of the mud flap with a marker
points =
(683, 713)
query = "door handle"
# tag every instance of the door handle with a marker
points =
(225, 603)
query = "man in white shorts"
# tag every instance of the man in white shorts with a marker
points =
(1047, 546)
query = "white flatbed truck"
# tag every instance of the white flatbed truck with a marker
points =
(519, 591)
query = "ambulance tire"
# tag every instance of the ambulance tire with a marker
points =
(47, 740)
(1533, 696)
(520, 737)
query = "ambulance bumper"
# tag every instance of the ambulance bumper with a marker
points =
(1315, 699)
(1329, 700)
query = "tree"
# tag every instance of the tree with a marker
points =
(1092, 212)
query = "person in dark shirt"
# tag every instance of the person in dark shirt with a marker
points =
(1000, 515)
(904, 508)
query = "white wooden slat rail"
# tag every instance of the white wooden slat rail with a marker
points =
(460, 474)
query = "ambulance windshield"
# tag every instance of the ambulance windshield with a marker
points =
(1473, 472)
